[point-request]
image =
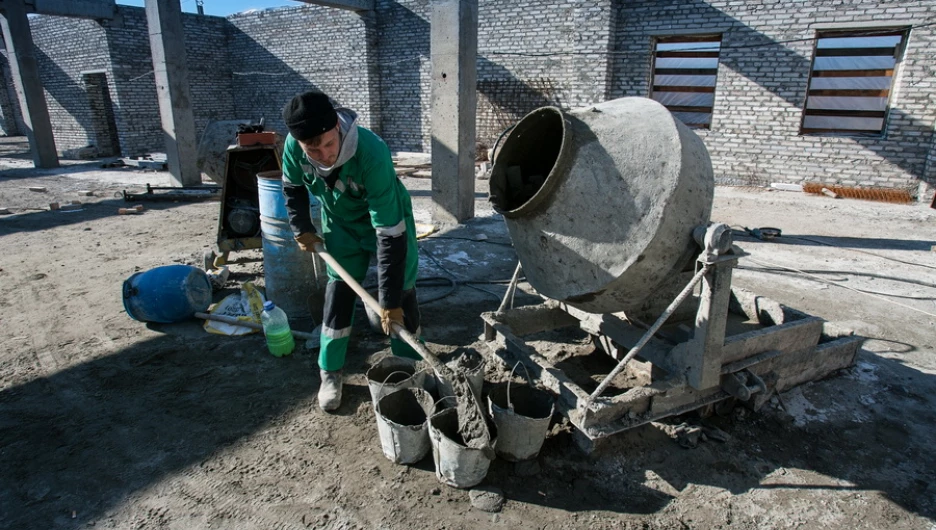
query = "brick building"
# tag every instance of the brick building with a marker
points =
(830, 91)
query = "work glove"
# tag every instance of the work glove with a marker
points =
(307, 241)
(389, 316)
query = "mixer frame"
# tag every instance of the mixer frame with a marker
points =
(702, 366)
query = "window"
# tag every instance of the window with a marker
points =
(850, 82)
(684, 73)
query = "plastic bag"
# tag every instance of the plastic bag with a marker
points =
(245, 305)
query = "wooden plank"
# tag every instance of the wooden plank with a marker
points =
(678, 88)
(689, 54)
(851, 93)
(810, 364)
(624, 334)
(685, 108)
(844, 131)
(528, 320)
(540, 367)
(847, 113)
(690, 38)
(856, 52)
(792, 336)
(838, 34)
(705, 354)
(852, 73)
(685, 71)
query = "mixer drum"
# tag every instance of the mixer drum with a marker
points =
(601, 201)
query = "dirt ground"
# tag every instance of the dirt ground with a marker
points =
(106, 422)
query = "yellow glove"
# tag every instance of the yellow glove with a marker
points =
(389, 316)
(307, 241)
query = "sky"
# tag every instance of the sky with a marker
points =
(222, 8)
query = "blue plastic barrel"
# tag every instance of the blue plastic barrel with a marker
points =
(171, 293)
(294, 279)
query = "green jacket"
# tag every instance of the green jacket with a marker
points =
(365, 207)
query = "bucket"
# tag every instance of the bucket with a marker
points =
(393, 373)
(521, 414)
(166, 294)
(468, 362)
(601, 201)
(294, 279)
(402, 425)
(456, 464)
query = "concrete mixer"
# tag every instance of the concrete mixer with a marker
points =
(608, 208)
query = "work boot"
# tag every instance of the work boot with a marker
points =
(329, 394)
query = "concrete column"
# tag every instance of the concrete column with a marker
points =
(8, 112)
(19, 44)
(453, 45)
(167, 44)
(593, 23)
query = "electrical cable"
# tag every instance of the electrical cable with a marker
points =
(908, 297)
(452, 283)
(469, 239)
(746, 232)
(905, 306)
(472, 284)
(863, 252)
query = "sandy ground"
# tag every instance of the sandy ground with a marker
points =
(106, 422)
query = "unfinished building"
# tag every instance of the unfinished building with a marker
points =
(818, 91)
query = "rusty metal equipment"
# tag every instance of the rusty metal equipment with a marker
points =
(608, 209)
(720, 344)
(239, 218)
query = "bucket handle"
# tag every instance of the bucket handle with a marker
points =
(436, 404)
(380, 388)
(528, 378)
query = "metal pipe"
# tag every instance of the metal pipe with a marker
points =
(510, 290)
(247, 324)
(650, 332)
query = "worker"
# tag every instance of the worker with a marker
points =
(366, 212)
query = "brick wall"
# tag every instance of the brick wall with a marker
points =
(530, 53)
(278, 53)
(73, 54)
(568, 53)
(132, 83)
(11, 120)
(65, 48)
(763, 75)
(208, 43)
(403, 62)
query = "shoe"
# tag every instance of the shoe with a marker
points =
(329, 394)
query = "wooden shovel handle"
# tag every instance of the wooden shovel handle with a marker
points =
(401, 331)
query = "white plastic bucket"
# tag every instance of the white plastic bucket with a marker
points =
(456, 464)
(402, 424)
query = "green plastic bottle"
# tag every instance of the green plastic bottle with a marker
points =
(279, 337)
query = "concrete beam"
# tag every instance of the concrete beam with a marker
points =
(97, 9)
(167, 44)
(453, 42)
(19, 44)
(350, 5)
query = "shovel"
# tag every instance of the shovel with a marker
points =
(471, 423)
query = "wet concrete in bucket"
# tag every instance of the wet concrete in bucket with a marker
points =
(471, 423)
